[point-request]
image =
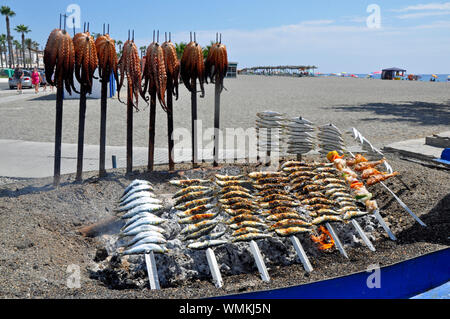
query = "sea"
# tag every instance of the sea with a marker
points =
(423, 77)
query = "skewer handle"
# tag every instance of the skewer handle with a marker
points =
(404, 206)
(152, 271)
(259, 261)
(336, 239)
(363, 235)
(301, 254)
(215, 272)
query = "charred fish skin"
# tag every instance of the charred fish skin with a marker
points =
(236, 188)
(248, 224)
(244, 217)
(229, 177)
(199, 226)
(290, 223)
(236, 212)
(245, 230)
(236, 194)
(258, 175)
(199, 233)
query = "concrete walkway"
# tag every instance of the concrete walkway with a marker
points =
(24, 159)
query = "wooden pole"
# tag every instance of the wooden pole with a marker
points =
(129, 131)
(103, 109)
(218, 88)
(170, 123)
(151, 137)
(194, 123)
(58, 133)
(81, 124)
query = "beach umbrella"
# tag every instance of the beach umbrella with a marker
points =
(434, 76)
(377, 72)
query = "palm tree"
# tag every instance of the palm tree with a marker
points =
(18, 49)
(21, 28)
(29, 43)
(2, 47)
(7, 12)
(180, 49)
(119, 43)
(35, 46)
(206, 50)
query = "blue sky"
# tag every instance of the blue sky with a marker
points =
(330, 34)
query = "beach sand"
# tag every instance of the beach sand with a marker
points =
(383, 111)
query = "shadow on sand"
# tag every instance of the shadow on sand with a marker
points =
(438, 226)
(423, 113)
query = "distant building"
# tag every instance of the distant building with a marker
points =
(232, 69)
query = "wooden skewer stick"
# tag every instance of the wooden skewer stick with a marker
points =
(151, 139)
(259, 261)
(170, 123)
(103, 110)
(194, 123)
(58, 133)
(152, 271)
(214, 268)
(216, 123)
(81, 125)
(129, 130)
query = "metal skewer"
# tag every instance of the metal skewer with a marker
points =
(152, 271)
(363, 235)
(301, 253)
(336, 240)
(259, 261)
(362, 139)
(214, 268)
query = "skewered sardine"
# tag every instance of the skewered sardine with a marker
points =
(194, 211)
(241, 205)
(136, 184)
(353, 214)
(149, 220)
(291, 231)
(188, 182)
(229, 177)
(157, 236)
(257, 175)
(199, 226)
(325, 219)
(317, 200)
(273, 197)
(194, 203)
(206, 244)
(145, 248)
(269, 186)
(138, 202)
(142, 228)
(190, 189)
(237, 194)
(232, 183)
(250, 236)
(142, 208)
(135, 196)
(236, 212)
(248, 223)
(197, 218)
(244, 217)
(192, 196)
(289, 223)
(229, 189)
(278, 203)
(281, 216)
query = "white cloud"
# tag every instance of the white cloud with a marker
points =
(423, 14)
(428, 6)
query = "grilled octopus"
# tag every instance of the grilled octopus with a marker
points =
(155, 72)
(192, 67)
(216, 64)
(172, 65)
(107, 57)
(59, 60)
(86, 60)
(130, 66)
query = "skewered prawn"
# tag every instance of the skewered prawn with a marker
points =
(374, 179)
(365, 165)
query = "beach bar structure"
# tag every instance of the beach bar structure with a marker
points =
(286, 70)
(232, 69)
(392, 74)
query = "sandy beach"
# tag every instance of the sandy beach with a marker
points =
(383, 111)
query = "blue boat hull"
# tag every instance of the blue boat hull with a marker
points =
(402, 280)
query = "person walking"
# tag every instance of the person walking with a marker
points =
(36, 80)
(18, 76)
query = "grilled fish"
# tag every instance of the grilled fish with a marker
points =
(237, 194)
(250, 236)
(197, 218)
(192, 196)
(289, 223)
(144, 249)
(138, 202)
(194, 211)
(206, 244)
(245, 230)
(191, 189)
(229, 177)
(248, 223)
(325, 219)
(194, 203)
(232, 183)
(278, 203)
(142, 208)
(188, 182)
(199, 226)
(291, 231)
(244, 217)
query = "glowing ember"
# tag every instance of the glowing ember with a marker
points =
(324, 240)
